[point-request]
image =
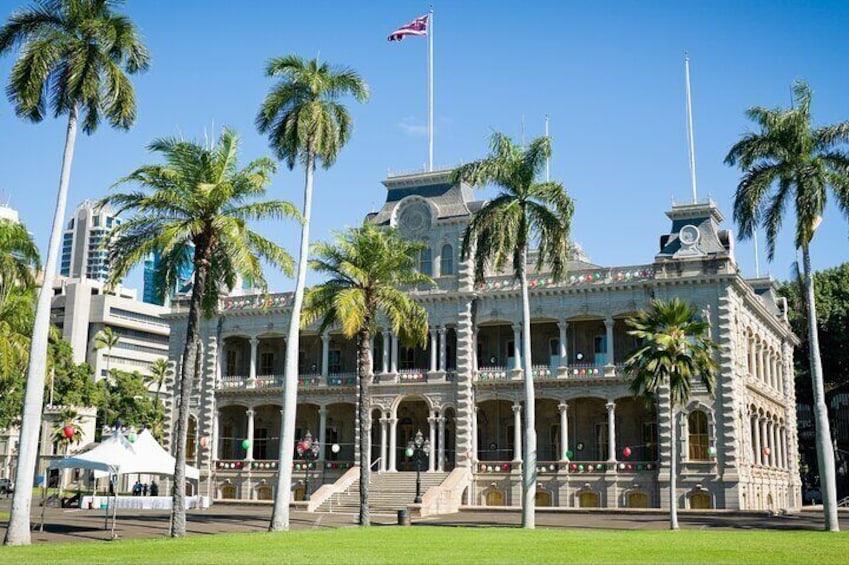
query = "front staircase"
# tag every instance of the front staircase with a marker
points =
(388, 493)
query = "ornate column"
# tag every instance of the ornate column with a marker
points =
(517, 431)
(782, 446)
(443, 349)
(611, 430)
(252, 370)
(764, 443)
(322, 431)
(250, 450)
(517, 345)
(384, 430)
(775, 449)
(440, 461)
(393, 435)
(564, 430)
(385, 352)
(433, 367)
(431, 431)
(394, 363)
(215, 439)
(475, 360)
(325, 354)
(756, 428)
(609, 324)
(760, 362)
(563, 350)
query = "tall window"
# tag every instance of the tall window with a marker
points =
(446, 259)
(231, 362)
(334, 362)
(426, 262)
(698, 435)
(601, 437)
(266, 363)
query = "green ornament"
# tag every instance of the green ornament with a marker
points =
(246, 444)
(409, 452)
(580, 467)
(568, 453)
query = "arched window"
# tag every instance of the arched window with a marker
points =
(426, 262)
(698, 435)
(446, 260)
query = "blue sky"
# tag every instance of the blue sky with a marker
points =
(609, 74)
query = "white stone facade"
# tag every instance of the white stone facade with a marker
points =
(597, 445)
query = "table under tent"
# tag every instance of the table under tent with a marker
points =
(118, 455)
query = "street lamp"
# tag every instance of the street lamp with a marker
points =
(307, 450)
(419, 449)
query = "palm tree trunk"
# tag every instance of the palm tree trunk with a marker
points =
(178, 490)
(364, 380)
(825, 450)
(18, 531)
(529, 464)
(282, 495)
(673, 466)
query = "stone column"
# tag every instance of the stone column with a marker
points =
(563, 350)
(760, 361)
(433, 367)
(394, 363)
(475, 435)
(611, 430)
(325, 353)
(393, 448)
(440, 460)
(431, 433)
(384, 430)
(322, 431)
(517, 345)
(775, 450)
(756, 427)
(475, 360)
(249, 456)
(443, 349)
(609, 324)
(215, 439)
(252, 370)
(564, 430)
(782, 444)
(385, 352)
(517, 431)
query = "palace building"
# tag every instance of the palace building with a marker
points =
(598, 446)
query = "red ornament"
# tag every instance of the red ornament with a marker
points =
(68, 432)
(627, 451)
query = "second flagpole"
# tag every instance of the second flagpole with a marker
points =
(430, 92)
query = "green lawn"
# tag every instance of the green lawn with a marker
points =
(444, 545)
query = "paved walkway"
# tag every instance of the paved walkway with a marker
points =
(69, 525)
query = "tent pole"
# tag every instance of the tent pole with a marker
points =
(43, 502)
(114, 506)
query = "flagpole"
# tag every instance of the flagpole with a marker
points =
(690, 128)
(430, 92)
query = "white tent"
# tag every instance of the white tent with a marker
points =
(117, 456)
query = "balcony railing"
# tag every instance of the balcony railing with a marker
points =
(574, 278)
(238, 382)
(545, 372)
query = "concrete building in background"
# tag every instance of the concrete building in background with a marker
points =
(81, 308)
(8, 213)
(83, 252)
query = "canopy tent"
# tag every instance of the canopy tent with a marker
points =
(118, 456)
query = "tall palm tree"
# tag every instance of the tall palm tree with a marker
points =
(74, 59)
(305, 124)
(675, 348)
(788, 160)
(106, 339)
(369, 269)
(19, 258)
(198, 204)
(159, 373)
(525, 212)
(67, 431)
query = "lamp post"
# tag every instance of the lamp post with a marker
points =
(419, 449)
(307, 450)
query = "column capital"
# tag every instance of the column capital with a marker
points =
(441, 330)
(609, 321)
(393, 421)
(250, 412)
(517, 407)
(431, 419)
(517, 326)
(322, 409)
(563, 407)
(384, 420)
(254, 340)
(611, 405)
(563, 324)
(325, 336)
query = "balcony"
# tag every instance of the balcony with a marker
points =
(592, 277)
(584, 371)
(272, 382)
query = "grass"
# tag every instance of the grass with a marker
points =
(447, 545)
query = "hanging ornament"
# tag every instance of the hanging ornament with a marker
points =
(627, 451)
(132, 437)
(568, 454)
(711, 451)
(68, 432)
(204, 442)
(246, 444)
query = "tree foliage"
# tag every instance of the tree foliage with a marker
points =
(125, 398)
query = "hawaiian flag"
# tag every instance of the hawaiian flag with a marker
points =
(416, 27)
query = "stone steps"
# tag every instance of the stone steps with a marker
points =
(388, 493)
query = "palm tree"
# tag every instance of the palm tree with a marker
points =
(159, 373)
(73, 58)
(675, 347)
(19, 257)
(16, 315)
(525, 211)
(106, 338)
(67, 431)
(368, 269)
(790, 161)
(199, 197)
(305, 124)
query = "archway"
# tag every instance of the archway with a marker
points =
(411, 418)
(232, 430)
(700, 500)
(496, 431)
(588, 499)
(637, 499)
(266, 432)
